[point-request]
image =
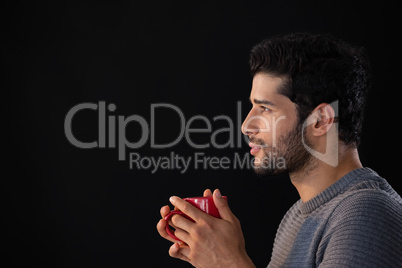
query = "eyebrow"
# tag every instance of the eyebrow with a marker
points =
(266, 102)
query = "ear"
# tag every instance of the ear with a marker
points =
(324, 118)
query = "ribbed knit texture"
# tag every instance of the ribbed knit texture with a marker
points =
(356, 222)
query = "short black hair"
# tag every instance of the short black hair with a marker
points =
(318, 68)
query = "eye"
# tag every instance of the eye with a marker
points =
(265, 109)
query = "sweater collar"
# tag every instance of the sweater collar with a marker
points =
(335, 189)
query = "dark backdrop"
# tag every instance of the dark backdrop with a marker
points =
(69, 207)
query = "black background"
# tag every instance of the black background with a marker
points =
(69, 207)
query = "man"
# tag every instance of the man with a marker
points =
(307, 98)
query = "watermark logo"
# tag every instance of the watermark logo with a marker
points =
(330, 156)
(112, 135)
(111, 126)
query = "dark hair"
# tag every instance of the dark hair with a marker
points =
(318, 69)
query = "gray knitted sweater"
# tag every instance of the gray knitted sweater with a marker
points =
(356, 222)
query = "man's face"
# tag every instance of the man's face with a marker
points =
(273, 129)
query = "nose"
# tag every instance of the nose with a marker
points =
(249, 126)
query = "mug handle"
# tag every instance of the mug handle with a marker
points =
(167, 218)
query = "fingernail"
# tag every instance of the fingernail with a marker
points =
(172, 199)
(218, 193)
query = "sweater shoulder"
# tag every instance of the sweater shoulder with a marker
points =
(366, 192)
(363, 230)
(361, 205)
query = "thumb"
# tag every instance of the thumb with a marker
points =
(222, 206)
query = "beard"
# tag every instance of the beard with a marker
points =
(288, 155)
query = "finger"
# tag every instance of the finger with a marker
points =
(176, 251)
(181, 222)
(184, 249)
(223, 207)
(182, 235)
(207, 193)
(164, 211)
(161, 227)
(187, 208)
(179, 233)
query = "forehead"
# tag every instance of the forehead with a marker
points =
(265, 90)
(265, 87)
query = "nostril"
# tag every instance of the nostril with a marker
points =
(251, 131)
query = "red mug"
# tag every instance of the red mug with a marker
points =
(205, 204)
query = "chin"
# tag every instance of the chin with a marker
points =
(266, 172)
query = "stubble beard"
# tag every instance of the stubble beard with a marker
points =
(288, 155)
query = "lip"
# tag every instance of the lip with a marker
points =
(254, 148)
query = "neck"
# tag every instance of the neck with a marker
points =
(318, 176)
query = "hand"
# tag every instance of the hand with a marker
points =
(209, 241)
(161, 226)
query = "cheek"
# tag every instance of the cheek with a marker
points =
(283, 124)
(280, 127)
(269, 131)
(277, 126)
